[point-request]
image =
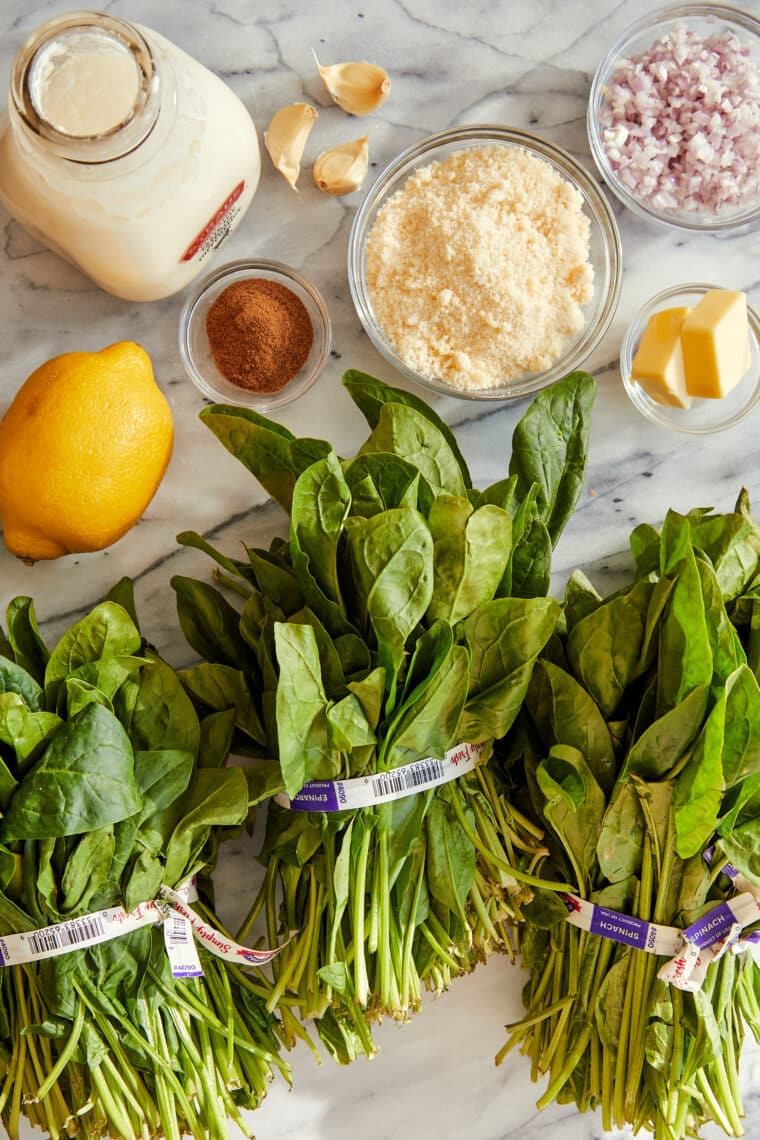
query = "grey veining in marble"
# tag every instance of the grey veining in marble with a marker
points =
(527, 63)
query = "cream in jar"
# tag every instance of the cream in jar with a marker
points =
(124, 154)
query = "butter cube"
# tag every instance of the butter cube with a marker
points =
(715, 339)
(658, 365)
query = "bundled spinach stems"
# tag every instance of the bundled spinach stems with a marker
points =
(640, 744)
(401, 618)
(111, 786)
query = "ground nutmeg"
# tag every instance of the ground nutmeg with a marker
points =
(259, 333)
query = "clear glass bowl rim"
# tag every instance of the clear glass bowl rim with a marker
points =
(259, 401)
(578, 174)
(651, 21)
(628, 351)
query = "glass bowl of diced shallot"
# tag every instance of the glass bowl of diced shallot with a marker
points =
(690, 358)
(673, 117)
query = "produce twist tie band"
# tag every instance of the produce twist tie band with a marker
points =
(396, 784)
(690, 951)
(182, 928)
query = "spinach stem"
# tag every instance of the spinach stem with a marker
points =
(66, 1053)
(361, 979)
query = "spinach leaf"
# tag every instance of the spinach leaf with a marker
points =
(83, 780)
(380, 482)
(450, 855)
(330, 661)
(392, 559)
(725, 645)
(549, 447)
(427, 725)
(8, 782)
(699, 788)
(348, 726)
(574, 806)
(504, 637)
(107, 631)
(14, 679)
(157, 713)
(505, 633)
(220, 687)
(27, 733)
(732, 544)
(581, 599)
(741, 846)
(215, 798)
(565, 714)
(369, 692)
(192, 539)
(501, 494)
(98, 681)
(684, 656)
(264, 780)
(727, 754)
(265, 447)
(29, 650)
(741, 738)
(370, 395)
(406, 432)
(353, 654)
(621, 841)
(217, 731)
(305, 752)
(209, 622)
(471, 549)
(605, 648)
(528, 571)
(123, 593)
(275, 580)
(661, 745)
(162, 775)
(321, 502)
(87, 869)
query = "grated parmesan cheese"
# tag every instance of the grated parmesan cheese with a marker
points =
(478, 267)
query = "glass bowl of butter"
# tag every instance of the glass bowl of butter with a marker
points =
(690, 359)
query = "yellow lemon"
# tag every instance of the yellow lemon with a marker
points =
(83, 447)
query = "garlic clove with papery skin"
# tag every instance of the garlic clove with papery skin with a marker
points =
(358, 88)
(343, 168)
(285, 138)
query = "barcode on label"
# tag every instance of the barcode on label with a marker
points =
(389, 783)
(58, 937)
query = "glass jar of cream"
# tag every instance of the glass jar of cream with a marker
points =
(123, 154)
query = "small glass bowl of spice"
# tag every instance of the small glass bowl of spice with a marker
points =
(255, 332)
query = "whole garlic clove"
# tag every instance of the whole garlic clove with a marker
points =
(343, 168)
(285, 138)
(358, 88)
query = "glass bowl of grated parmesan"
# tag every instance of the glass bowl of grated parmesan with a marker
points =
(485, 263)
(673, 117)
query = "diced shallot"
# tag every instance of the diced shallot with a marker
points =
(680, 123)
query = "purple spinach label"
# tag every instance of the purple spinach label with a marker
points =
(711, 927)
(622, 928)
(320, 795)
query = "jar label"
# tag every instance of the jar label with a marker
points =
(217, 228)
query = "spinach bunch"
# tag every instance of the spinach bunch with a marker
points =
(110, 785)
(402, 616)
(640, 746)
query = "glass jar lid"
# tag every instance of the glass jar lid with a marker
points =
(87, 83)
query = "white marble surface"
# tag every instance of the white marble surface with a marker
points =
(527, 63)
